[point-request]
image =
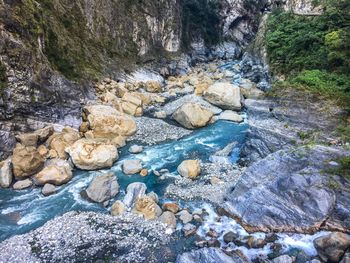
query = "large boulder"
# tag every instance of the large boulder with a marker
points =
(56, 172)
(332, 247)
(189, 169)
(60, 141)
(224, 95)
(106, 122)
(103, 188)
(26, 161)
(192, 116)
(133, 192)
(132, 104)
(292, 190)
(5, 173)
(93, 154)
(28, 139)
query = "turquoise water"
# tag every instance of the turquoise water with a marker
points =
(22, 211)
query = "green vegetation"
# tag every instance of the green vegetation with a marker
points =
(313, 52)
(201, 19)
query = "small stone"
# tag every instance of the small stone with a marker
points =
(48, 189)
(197, 218)
(6, 175)
(189, 229)
(20, 185)
(172, 207)
(169, 219)
(154, 196)
(164, 171)
(185, 216)
(212, 233)
(136, 149)
(214, 181)
(283, 259)
(160, 114)
(213, 243)
(132, 166)
(144, 172)
(256, 242)
(230, 237)
(156, 173)
(118, 208)
(189, 169)
(43, 151)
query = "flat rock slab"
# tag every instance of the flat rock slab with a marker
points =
(291, 191)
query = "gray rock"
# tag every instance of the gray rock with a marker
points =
(103, 188)
(189, 229)
(48, 189)
(332, 247)
(6, 173)
(20, 185)
(132, 166)
(169, 219)
(185, 216)
(283, 259)
(209, 255)
(133, 192)
(136, 149)
(290, 191)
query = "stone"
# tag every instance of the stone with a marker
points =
(153, 86)
(106, 122)
(43, 151)
(230, 237)
(229, 115)
(84, 127)
(224, 95)
(136, 149)
(169, 219)
(144, 172)
(26, 161)
(215, 181)
(44, 133)
(254, 242)
(92, 154)
(154, 196)
(6, 175)
(53, 154)
(289, 191)
(131, 166)
(172, 207)
(60, 141)
(185, 216)
(56, 172)
(118, 208)
(189, 229)
(345, 259)
(48, 189)
(160, 114)
(132, 105)
(23, 184)
(192, 116)
(189, 169)
(332, 247)
(147, 207)
(28, 139)
(133, 192)
(283, 259)
(210, 255)
(103, 188)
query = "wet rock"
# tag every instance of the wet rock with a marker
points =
(230, 237)
(133, 192)
(23, 184)
(297, 194)
(169, 219)
(48, 189)
(256, 242)
(189, 169)
(332, 247)
(229, 115)
(131, 166)
(118, 208)
(224, 95)
(93, 154)
(154, 196)
(189, 229)
(147, 207)
(283, 259)
(214, 180)
(144, 172)
(6, 173)
(26, 161)
(60, 141)
(136, 149)
(184, 216)
(103, 188)
(56, 172)
(172, 207)
(208, 255)
(192, 116)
